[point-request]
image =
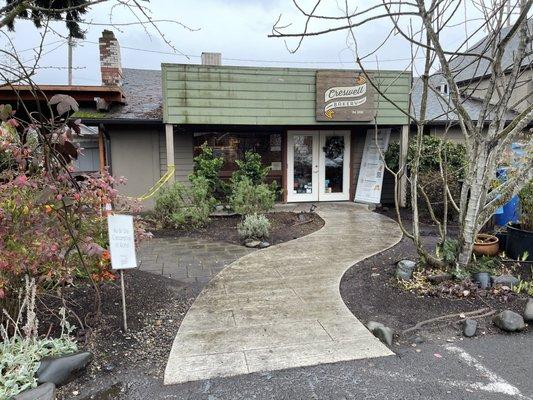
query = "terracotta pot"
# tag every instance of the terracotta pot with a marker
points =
(486, 245)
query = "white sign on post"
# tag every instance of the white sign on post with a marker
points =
(370, 181)
(122, 249)
(121, 241)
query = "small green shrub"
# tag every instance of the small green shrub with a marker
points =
(447, 252)
(254, 226)
(208, 166)
(252, 168)
(20, 359)
(523, 287)
(247, 198)
(453, 153)
(433, 185)
(485, 264)
(180, 206)
(526, 206)
(21, 350)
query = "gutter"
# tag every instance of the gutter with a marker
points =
(121, 121)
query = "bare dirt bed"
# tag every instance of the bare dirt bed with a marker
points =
(371, 292)
(156, 306)
(284, 226)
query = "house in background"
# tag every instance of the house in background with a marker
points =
(472, 75)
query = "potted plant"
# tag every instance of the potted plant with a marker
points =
(520, 235)
(486, 245)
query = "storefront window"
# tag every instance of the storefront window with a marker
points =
(232, 146)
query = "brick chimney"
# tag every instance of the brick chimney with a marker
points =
(211, 58)
(110, 64)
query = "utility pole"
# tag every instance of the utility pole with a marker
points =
(70, 46)
(508, 13)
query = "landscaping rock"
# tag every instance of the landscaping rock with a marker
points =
(384, 334)
(108, 367)
(404, 269)
(220, 207)
(46, 391)
(58, 370)
(469, 327)
(528, 312)
(381, 331)
(509, 321)
(439, 278)
(373, 325)
(252, 243)
(264, 245)
(505, 280)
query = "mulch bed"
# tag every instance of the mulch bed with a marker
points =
(156, 306)
(371, 292)
(284, 226)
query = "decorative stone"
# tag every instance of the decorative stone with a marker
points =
(404, 269)
(528, 312)
(264, 245)
(418, 339)
(46, 391)
(252, 243)
(509, 321)
(439, 278)
(384, 334)
(373, 325)
(482, 279)
(381, 331)
(58, 370)
(108, 367)
(220, 207)
(505, 280)
(469, 327)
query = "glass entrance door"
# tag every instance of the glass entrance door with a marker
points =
(334, 166)
(302, 163)
(318, 166)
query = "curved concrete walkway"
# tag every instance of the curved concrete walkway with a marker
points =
(280, 307)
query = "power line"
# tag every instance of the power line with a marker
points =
(256, 60)
(38, 47)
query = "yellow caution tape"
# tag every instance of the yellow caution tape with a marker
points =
(159, 184)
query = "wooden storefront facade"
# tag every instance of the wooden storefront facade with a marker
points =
(308, 125)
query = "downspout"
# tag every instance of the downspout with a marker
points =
(101, 149)
(107, 148)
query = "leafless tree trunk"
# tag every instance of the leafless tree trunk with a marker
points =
(423, 24)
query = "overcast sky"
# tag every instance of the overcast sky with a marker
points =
(236, 28)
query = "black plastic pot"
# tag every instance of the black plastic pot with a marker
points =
(482, 279)
(518, 242)
(502, 237)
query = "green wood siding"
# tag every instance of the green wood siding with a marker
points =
(201, 94)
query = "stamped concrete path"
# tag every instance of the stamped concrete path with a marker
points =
(280, 307)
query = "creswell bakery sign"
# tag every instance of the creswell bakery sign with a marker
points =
(343, 96)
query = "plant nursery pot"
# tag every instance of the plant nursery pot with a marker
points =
(486, 245)
(518, 242)
(482, 279)
(502, 237)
